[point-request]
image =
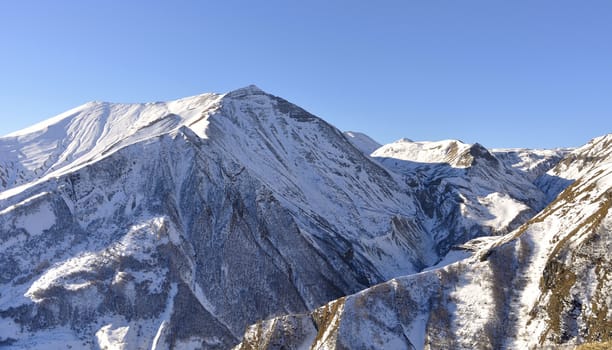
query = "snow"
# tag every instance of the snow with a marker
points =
(291, 156)
(8, 328)
(446, 151)
(38, 221)
(308, 340)
(142, 239)
(391, 256)
(502, 208)
(417, 331)
(450, 258)
(327, 333)
(535, 161)
(363, 142)
(196, 343)
(582, 160)
(24, 202)
(57, 273)
(92, 131)
(158, 335)
(59, 338)
(109, 337)
(473, 302)
(165, 317)
(96, 130)
(138, 243)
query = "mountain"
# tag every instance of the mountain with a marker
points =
(575, 165)
(178, 224)
(464, 190)
(139, 215)
(90, 132)
(544, 285)
(533, 163)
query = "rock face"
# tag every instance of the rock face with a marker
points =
(177, 225)
(545, 285)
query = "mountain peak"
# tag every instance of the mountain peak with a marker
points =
(445, 151)
(478, 151)
(246, 91)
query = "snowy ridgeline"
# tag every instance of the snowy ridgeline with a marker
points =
(178, 224)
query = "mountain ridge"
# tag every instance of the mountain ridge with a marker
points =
(151, 228)
(531, 306)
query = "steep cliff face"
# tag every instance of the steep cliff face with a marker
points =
(544, 285)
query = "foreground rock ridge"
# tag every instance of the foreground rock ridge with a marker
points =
(178, 225)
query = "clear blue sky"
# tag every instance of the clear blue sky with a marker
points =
(502, 73)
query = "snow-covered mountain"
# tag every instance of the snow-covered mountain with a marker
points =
(140, 214)
(533, 163)
(90, 132)
(463, 189)
(545, 285)
(178, 224)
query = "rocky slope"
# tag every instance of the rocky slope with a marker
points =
(533, 163)
(464, 190)
(176, 225)
(545, 285)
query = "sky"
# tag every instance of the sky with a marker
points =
(516, 73)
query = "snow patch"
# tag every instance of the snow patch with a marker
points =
(451, 257)
(502, 208)
(417, 331)
(112, 338)
(58, 273)
(158, 335)
(37, 222)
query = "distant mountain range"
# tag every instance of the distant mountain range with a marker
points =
(241, 220)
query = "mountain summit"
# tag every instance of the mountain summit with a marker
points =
(179, 224)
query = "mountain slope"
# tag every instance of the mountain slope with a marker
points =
(533, 163)
(464, 190)
(362, 141)
(91, 131)
(177, 224)
(148, 238)
(575, 164)
(544, 285)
